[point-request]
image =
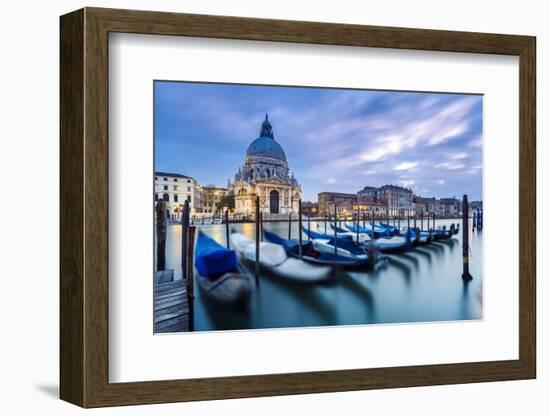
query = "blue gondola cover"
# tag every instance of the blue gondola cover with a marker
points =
(212, 259)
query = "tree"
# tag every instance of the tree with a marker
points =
(228, 201)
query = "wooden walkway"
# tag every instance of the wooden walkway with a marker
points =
(171, 308)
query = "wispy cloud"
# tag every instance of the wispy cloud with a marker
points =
(334, 139)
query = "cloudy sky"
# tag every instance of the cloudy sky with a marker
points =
(334, 139)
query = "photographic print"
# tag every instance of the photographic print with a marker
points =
(290, 206)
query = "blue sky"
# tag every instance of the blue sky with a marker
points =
(335, 139)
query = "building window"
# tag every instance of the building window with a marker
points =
(165, 187)
(175, 180)
(189, 198)
(165, 179)
(166, 197)
(188, 180)
(188, 189)
(156, 178)
(175, 198)
(175, 187)
(156, 197)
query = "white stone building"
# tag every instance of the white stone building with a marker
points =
(175, 188)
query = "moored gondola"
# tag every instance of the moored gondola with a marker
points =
(219, 275)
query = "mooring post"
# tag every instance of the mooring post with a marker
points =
(261, 226)
(433, 216)
(335, 235)
(161, 234)
(308, 225)
(190, 282)
(372, 224)
(184, 238)
(422, 220)
(465, 249)
(227, 228)
(290, 224)
(481, 218)
(257, 263)
(473, 220)
(364, 215)
(357, 229)
(300, 228)
(399, 220)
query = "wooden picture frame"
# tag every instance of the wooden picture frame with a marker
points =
(84, 207)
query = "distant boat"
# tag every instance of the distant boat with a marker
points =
(274, 259)
(379, 231)
(341, 233)
(395, 244)
(207, 221)
(312, 255)
(217, 220)
(219, 275)
(344, 246)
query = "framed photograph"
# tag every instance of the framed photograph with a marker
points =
(255, 207)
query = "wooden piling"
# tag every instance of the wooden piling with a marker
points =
(335, 234)
(372, 224)
(161, 234)
(399, 220)
(190, 273)
(257, 262)
(473, 220)
(422, 220)
(261, 226)
(308, 225)
(357, 229)
(300, 228)
(433, 217)
(227, 228)
(184, 237)
(290, 224)
(465, 248)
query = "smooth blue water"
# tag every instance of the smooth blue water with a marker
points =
(423, 285)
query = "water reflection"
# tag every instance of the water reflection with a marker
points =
(420, 286)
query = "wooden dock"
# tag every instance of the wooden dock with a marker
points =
(171, 307)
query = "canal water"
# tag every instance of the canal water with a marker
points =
(423, 285)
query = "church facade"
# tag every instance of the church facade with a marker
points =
(265, 173)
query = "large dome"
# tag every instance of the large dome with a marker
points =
(265, 145)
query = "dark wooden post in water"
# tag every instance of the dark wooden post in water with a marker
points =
(184, 238)
(300, 228)
(364, 215)
(473, 220)
(465, 250)
(190, 273)
(422, 220)
(326, 221)
(261, 226)
(335, 235)
(372, 224)
(399, 220)
(257, 263)
(357, 229)
(227, 228)
(161, 234)
(433, 217)
(308, 224)
(290, 223)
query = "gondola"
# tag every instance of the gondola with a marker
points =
(395, 244)
(379, 231)
(339, 246)
(219, 276)
(341, 233)
(311, 255)
(274, 259)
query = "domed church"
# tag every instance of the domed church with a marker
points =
(265, 173)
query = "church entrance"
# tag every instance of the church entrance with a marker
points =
(274, 202)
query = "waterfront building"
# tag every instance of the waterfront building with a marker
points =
(327, 200)
(475, 205)
(310, 208)
(265, 173)
(175, 189)
(368, 206)
(450, 207)
(211, 196)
